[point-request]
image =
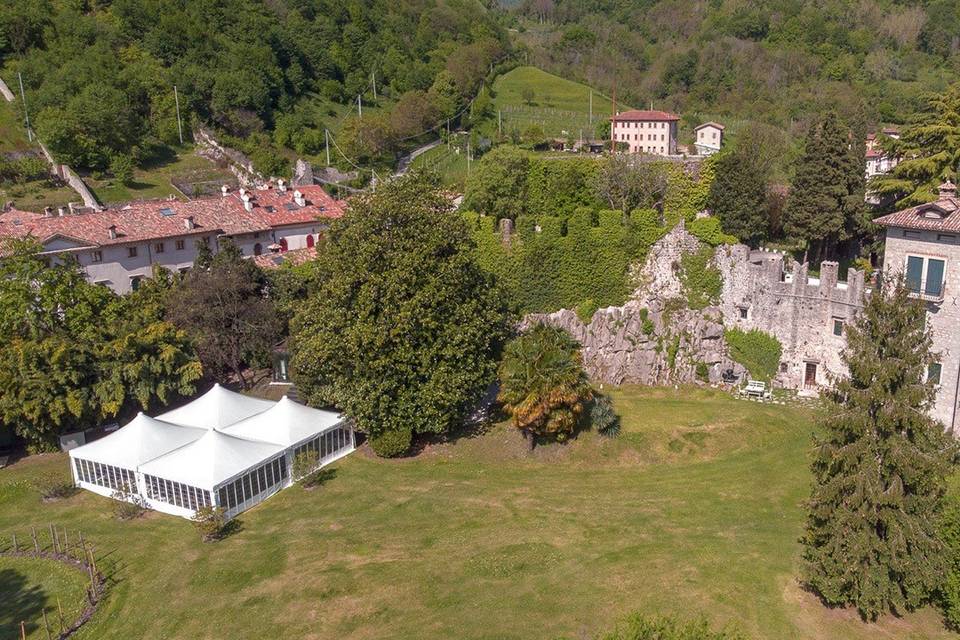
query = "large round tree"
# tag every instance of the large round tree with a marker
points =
(404, 329)
(880, 468)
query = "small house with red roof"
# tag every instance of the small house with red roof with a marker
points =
(118, 247)
(708, 138)
(651, 132)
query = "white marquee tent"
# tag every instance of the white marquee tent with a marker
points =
(195, 456)
(216, 409)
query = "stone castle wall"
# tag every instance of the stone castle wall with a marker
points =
(760, 291)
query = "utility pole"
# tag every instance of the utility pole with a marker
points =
(499, 123)
(373, 74)
(26, 116)
(176, 99)
(326, 141)
(359, 107)
(613, 120)
(591, 106)
(468, 157)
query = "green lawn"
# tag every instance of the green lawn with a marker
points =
(558, 104)
(30, 586)
(154, 181)
(696, 507)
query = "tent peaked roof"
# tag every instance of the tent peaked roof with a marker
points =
(215, 409)
(142, 439)
(286, 423)
(210, 460)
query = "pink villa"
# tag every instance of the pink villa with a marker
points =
(652, 132)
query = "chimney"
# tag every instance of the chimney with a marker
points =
(224, 190)
(188, 223)
(112, 231)
(243, 192)
(61, 211)
(246, 201)
(948, 190)
(281, 185)
(299, 199)
(48, 212)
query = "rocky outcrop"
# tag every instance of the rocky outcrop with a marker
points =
(655, 344)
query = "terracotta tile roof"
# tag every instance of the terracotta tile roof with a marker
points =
(645, 116)
(874, 153)
(156, 219)
(942, 214)
(295, 256)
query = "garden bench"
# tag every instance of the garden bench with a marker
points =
(756, 389)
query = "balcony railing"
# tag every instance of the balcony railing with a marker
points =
(929, 290)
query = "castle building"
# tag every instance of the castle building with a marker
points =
(651, 132)
(118, 247)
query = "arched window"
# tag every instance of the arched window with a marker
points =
(309, 240)
(257, 249)
(283, 244)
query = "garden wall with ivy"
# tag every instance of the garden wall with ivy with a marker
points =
(578, 262)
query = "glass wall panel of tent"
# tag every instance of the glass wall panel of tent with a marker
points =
(176, 493)
(106, 475)
(327, 445)
(253, 487)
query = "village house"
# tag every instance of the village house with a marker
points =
(652, 132)
(878, 162)
(708, 138)
(118, 247)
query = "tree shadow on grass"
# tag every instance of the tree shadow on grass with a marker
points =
(19, 601)
(318, 478)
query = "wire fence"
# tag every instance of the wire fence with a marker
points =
(72, 550)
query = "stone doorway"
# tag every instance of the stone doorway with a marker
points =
(810, 375)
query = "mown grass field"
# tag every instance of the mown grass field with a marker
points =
(28, 586)
(558, 104)
(695, 508)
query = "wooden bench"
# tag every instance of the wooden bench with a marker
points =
(756, 389)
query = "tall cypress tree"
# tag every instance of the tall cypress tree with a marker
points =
(823, 206)
(738, 196)
(879, 468)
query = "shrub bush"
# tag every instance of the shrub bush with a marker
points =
(603, 418)
(211, 522)
(391, 444)
(709, 231)
(759, 352)
(639, 627)
(646, 323)
(128, 504)
(304, 463)
(585, 310)
(703, 372)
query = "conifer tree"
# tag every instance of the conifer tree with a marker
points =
(738, 197)
(872, 536)
(823, 205)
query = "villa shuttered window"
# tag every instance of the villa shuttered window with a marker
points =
(105, 475)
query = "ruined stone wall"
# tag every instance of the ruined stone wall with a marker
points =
(758, 293)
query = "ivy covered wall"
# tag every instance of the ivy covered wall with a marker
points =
(579, 262)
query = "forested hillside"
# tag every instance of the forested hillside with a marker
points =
(776, 62)
(99, 76)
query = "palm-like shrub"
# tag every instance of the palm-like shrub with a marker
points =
(543, 386)
(603, 418)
